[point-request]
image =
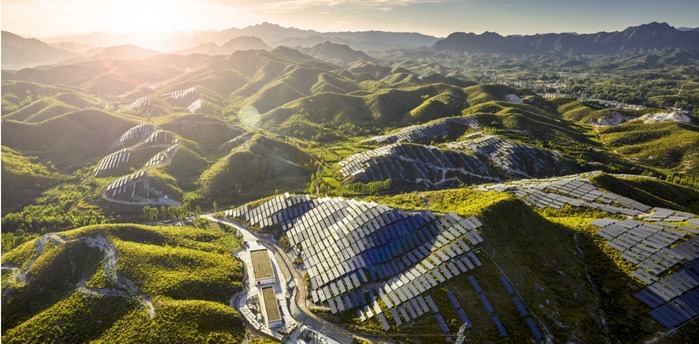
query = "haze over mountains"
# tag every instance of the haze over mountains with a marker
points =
(21, 52)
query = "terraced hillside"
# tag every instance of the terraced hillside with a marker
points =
(124, 283)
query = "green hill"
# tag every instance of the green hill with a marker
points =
(41, 110)
(266, 163)
(70, 141)
(667, 145)
(123, 283)
(650, 191)
(208, 132)
(25, 178)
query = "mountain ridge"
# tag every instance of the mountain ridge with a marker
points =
(651, 36)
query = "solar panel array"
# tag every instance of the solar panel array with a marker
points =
(426, 166)
(164, 156)
(478, 159)
(161, 137)
(122, 184)
(195, 105)
(521, 308)
(657, 249)
(135, 135)
(427, 132)
(674, 299)
(368, 256)
(112, 161)
(645, 245)
(669, 215)
(574, 190)
(140, 103)
(182, 97)
(513, 158)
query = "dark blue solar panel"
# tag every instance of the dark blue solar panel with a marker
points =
(649, 298)
(442, 325)
(462, 315)
(474, 258)
(475, 284)
(486, 304)
(500, 326)
(520, 306)
(508, 286)
(665, 317)
(535, 330)
(453, 300)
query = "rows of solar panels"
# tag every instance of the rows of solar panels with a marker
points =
(655, 243)
(139, 137)
(135, 135)
(426, 166)
(657, 250)
(516, 159)
(138, 104)
(370, 257)
(521, 308)
(481, 159)
(125, 183)
(429, 131)
(574, 190)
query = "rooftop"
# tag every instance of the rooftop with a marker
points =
(271, 307)
(261, 264)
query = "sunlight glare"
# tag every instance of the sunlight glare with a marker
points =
(149, 17)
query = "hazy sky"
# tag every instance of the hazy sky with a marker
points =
(41, 18)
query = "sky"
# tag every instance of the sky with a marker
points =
(46, 18)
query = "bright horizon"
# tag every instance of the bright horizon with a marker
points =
(44, 18)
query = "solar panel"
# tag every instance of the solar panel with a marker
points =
(431, 304)
(506, 283)
(396, 317)
(500, 326)
(475, 284)
(486, 304)
(442, 325)
(384, 322)
(462, 315)
(452, 299)
(474, 258)
(520, 306)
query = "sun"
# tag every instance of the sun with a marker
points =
(150, 17)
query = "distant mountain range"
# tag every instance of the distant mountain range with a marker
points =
(347, 47)
(340, 54)
(653, 36)
(235, 44)
(22, 52)
(276, 35)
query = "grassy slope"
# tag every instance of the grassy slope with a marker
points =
(208, 132)
(666, 145)
(188, 272)
(71, 141)
(653, 192)
(267, 164)
(24, 177)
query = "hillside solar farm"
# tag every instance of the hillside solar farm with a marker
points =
(271, 184)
